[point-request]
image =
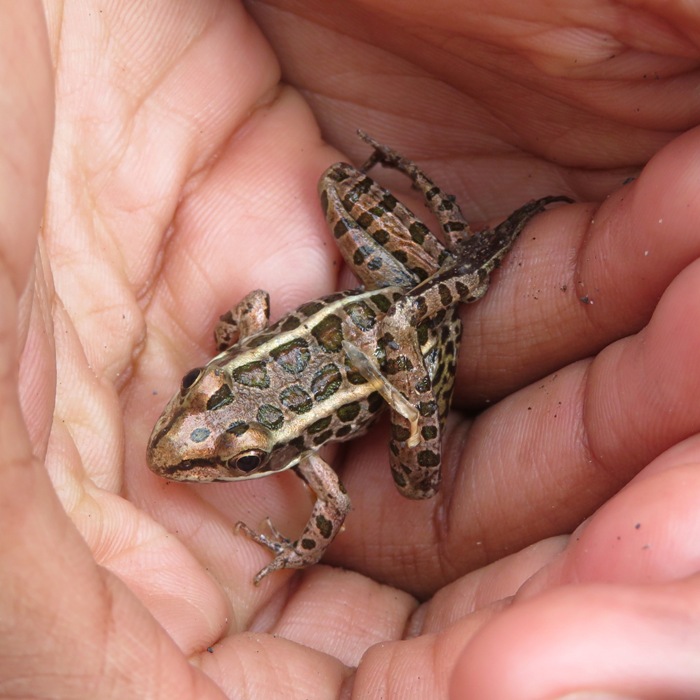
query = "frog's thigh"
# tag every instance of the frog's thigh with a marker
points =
(370, 261)
(250, 315)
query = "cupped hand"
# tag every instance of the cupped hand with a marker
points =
(159, 164)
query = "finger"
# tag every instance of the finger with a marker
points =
(544, 459)
(25, 132)
(629, 641)
(580, 278)
(26, 137)
(645, 535)
(550, 641)
(636, 536)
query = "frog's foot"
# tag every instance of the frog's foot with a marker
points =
(442, 205)
(288, 554)
(250, 315)
(384, 155)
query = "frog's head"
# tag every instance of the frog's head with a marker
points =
(214, 430)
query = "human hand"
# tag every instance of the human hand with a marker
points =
(173, 192)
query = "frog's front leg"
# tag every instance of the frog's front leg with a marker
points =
(250, 315)
(425, 383)
(418, 409)
(329, 511)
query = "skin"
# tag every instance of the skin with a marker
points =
(183, 175)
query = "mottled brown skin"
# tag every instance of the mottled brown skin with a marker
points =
(276, 394)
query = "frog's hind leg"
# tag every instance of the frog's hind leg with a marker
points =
(381, 240)
(442, 205)
(363, 246)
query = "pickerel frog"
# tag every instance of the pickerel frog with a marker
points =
(274, 395)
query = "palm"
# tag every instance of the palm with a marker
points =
(160, 219)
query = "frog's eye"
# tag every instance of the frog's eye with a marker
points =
(248, 462)
(190, 378)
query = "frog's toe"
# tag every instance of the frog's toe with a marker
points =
(285, 551)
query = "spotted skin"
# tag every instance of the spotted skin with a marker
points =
(275, 394)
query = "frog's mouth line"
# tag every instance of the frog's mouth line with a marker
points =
(191, 465)
(209, 470)
(202, 470)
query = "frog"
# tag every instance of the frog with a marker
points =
(275, 394)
